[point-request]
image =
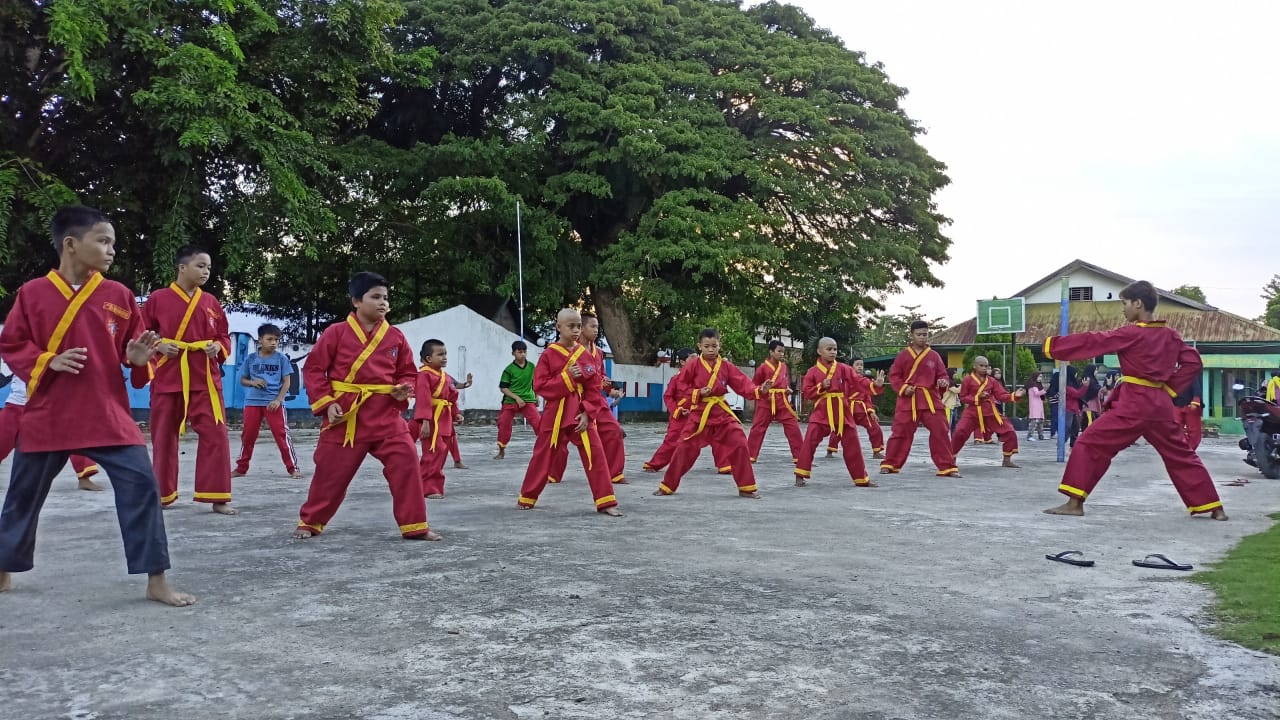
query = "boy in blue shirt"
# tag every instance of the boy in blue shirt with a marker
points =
(266, 375)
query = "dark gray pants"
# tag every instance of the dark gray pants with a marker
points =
(137, 505)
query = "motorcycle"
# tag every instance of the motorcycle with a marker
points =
(1261, 439)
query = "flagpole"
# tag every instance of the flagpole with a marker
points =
(520, 266)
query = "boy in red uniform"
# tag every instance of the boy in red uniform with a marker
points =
(778, 409)
(708, 419)
(1156, 364)
(66, 337)
(266, 375)
(188, 381)
(982, 395)
(516, 386)
(827, 384)
(597, 405)
(1191, 409)
(11, 419)
(359, 377)
(918, 376)
(563, 375)
(435, 413)
(675, 425)
(861, 392)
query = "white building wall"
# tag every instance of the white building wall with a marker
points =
(1051, 292)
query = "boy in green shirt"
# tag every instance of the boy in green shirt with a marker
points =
(516, 386)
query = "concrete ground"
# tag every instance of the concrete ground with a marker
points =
(925, 598)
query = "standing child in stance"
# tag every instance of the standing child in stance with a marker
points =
(1035, 408)
(1156, 364)
(705, 381)
(187, 385)
(861, 392)
(828, 384)
(436, 411)
(359, 377)
(267, 376)
(516, 386)
(919, 376)
(982, 395)
(778, 409)
(562, 376)
(66, 337)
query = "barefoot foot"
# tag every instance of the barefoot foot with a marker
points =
(888, 471)
(1009, 464)
(524, 507)
(159, 590)
(431, 535)
(89, 485)
(225, 509)
(502, 454)
(800, 482)
(435, 496)
(295, 475)
(460, 466)
(659, 493)
(611, 512)
(1071, 507)
(6, 582)
(752, 495)
(621, 481)
(1217, 514)
(868, 483)
(303, 533)
(877, 455)
(650, 469)
(238, 473)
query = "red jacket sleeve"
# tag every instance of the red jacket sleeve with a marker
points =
(1189, 365)
(898, 372)
(406, 368)
(1083, 346)
(551, 378)
(811, 384)
(762, 374)
(969, 390)
(1000, 392)
(315, 371)
(18, 347)
(738, 380)
(221, 332)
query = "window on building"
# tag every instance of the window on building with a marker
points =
(1080, 293)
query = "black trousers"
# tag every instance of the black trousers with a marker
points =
(146, 547)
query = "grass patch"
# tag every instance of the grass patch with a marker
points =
(1247, 583)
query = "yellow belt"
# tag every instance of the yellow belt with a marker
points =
(555, 432)
(186, 348)
(839, 426)
(786, 400)
(439, 406)
(1148, 383)
(708, 404)
(349, 418)
(982, 425)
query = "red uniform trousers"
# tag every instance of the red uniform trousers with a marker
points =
(1192, 423)
(813, 437)
(727, 441)
(536, 476)
(676, 430)
(875, 435)
(431, 468)
(279, 425)
(968, 425)
(507, 417)
(336, 465)
(1117, 429)
(611, 441)
(760, 421)
(904, 431)
(11, 418)
(213, 452)
(454, 450)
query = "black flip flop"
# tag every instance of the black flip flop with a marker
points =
(1066, 557)
(1160, 563)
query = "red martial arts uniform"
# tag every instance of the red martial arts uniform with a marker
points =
(675, 430)
(563, 394)
(189, 387)
(778, 410)
(864, 412)
(11, 420)
(1192, 423)
(1156, 363)
(358, 370)
(983, 417)
(922, 370)
(711, 421)
(436, 405)
(831, 414)
(596, 403)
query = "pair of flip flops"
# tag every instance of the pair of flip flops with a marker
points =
(1155, 561)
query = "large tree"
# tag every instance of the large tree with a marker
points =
(1271, 293)
(674, 158)
(1191, 292)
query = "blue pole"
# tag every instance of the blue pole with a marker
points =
(1062, 375)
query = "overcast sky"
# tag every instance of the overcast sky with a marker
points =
(1141, 136)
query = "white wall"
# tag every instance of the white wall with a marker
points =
(476, 345)
(1051, 292)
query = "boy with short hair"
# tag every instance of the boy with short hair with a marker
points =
(596, 404)
(66, 337)
(675, 423)
(267, 375)
(982, 394)
(778, 409)
(827, 384)
(187, 385)
(861, 392)
(919, 376)
(359, 377)
(11, 419)
(705, 381)
(1156, 364)
(562, 376)
(516, 386)
(435, 412)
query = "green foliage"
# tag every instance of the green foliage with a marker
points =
(887, 334)
(1271, 293)
(1191, 292)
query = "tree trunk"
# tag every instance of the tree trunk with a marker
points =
(615, 325)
